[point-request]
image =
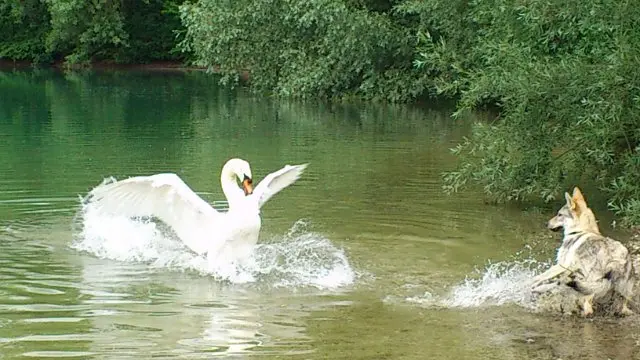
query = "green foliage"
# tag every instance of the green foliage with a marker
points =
(83, 28)
(564, 75)
(306, 48)
(151, 26)
(82, 31)
(23, 25)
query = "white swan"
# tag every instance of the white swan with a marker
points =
(227, 235)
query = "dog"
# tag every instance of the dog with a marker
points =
(590, 263)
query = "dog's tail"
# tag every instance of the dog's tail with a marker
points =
(625, 283)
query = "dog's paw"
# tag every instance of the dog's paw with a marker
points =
(587, 306)
(625, 311)
(587, 312)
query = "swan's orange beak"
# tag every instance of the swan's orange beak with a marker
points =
(247, 187)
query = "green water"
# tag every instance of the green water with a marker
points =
(371, 195)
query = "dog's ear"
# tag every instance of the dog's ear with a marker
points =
(578, 198)
(570, 203)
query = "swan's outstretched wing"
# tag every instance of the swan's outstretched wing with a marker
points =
(277, 181)
(164, 196)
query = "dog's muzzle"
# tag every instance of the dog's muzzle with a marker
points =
(554, 227)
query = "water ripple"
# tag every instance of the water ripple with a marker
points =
(56, 303)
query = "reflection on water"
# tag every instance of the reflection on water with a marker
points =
(139, 309)
(386, 266)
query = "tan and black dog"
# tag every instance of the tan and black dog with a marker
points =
(594, 265)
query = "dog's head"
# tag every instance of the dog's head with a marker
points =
(574, 215)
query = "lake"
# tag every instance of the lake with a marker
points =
(364, 257)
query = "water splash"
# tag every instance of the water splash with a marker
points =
(500, 283)
(505, 282)
(299, 258)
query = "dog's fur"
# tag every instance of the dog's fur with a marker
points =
(593, 265)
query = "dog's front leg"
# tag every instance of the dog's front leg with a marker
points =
(542, 288)
(553, 272)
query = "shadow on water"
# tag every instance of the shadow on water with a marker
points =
(435, 276)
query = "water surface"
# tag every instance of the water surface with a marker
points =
(364, 257)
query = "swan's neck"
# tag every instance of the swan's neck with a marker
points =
(230, 188)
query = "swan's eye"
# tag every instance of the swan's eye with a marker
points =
(247, 179)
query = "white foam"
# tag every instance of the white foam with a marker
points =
(297, 259)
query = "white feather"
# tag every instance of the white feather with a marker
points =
(276, 181)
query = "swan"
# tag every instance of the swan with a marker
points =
(223, 236)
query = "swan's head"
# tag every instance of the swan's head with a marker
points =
(240, 169)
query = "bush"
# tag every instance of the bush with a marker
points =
(564, 75)
(306, 48)
(83, 31)
(24, 26)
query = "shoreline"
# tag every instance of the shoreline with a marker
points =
(177, 66)
(106, 65)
